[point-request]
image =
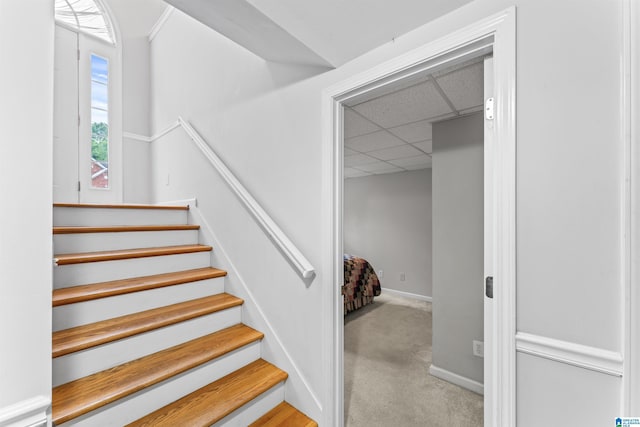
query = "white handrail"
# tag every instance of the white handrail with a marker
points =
(274, 232)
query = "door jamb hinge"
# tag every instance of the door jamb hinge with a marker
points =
(489, 109)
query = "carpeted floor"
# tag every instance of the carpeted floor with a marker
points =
(386, 371)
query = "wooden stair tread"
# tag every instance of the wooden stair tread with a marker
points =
(78, 397)
(93, 291)
(86, 336)
(284, 415)
(122, 228)
(120, 206)
(213, 402)
(84, 257)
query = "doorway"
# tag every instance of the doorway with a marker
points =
(87, 152)
(494, 35)
(413, 194)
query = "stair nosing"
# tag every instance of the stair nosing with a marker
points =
(71, 340)
(59, 230)
(89, 292)
(121, 206)
(65, 397)
(115, 255)
(276, 377)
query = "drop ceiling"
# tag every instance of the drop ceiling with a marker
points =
(391, 131)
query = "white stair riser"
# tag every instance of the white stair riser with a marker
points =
(100, 217)
(148, 400)
(94, 272)
(253, 410)
(71, 315)
(90, 242)
(82, 363)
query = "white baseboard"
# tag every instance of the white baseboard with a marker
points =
(407, 294)
(302, 393)
(28, 413)
(456, 379)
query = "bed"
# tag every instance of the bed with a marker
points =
(361, 283)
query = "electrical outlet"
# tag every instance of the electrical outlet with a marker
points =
(402, 277)
(380, 274)
(478, 348)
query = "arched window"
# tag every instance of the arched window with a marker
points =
(86, 16)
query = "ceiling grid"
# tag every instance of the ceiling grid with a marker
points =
(392, 132)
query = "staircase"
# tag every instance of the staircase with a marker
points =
(143, 332)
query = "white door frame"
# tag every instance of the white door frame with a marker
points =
(65, 128)
(88, 44)
(630, 405)
(496, 33)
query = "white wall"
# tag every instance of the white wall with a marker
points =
(458, 244)
(135, 104)
(137, 170)
(387, 220)
(265, 120)
(26, 134)
(135, 20)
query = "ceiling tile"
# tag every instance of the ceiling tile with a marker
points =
(373, 141)
(475, 109)
(412, 161)
(389, 88)
(408, 105)
(388, 171)
(379, 167)
(464, 87)
(418, 167)
(458, 66)
(413, 132)
(426, 146)
(355, 124)
(354, 173)
(399, 152)
(358, 159)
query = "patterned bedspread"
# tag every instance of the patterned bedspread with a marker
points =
(361, 283)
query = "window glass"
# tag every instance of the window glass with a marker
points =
(99, 122)
(86, 16)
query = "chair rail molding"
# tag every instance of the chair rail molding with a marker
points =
(592, 358)
(30, 412)
(136, 137)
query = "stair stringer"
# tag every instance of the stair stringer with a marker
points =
(298, 392)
